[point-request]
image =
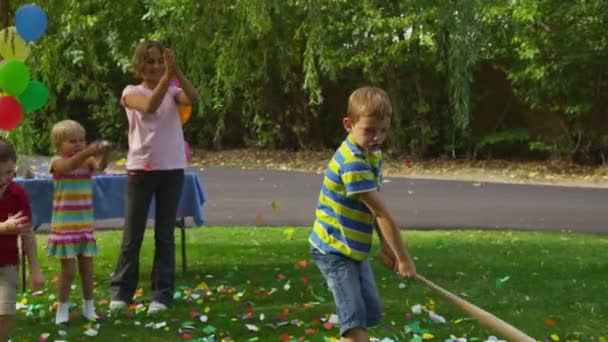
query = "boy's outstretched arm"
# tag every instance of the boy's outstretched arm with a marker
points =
(390, 232)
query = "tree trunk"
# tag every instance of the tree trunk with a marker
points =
(4, 13)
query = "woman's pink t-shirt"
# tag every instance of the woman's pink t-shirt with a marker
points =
(156, 140)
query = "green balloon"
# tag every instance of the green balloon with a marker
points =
(34, 97)
(14, 76)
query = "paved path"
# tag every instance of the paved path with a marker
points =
(245, 197)
(238, 197)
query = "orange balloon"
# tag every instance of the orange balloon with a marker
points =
(184, 113)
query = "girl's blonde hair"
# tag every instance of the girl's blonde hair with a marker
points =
(64, 130)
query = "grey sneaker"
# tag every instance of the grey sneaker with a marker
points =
(156, 307)
(117, 305)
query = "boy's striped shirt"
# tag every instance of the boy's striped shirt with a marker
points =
(344, 225)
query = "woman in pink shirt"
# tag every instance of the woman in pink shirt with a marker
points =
(155, 169)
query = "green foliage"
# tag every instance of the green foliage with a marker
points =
(24, 136)
(277, 73)
(557, 147)
(505, 137)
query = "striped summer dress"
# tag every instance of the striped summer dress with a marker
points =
(72, 223)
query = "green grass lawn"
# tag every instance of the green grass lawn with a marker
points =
(543, 283)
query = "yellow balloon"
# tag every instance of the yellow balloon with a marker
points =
(184, 113)
(12, 46)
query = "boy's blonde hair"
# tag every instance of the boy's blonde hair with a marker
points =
(369, 101)
(64, 130)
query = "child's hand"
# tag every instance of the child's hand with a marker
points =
(406, 268)
(170, 67)
(103, 146)
(17, 224)
(37, 280)
(99, 147)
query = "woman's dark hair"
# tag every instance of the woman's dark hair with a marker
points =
(141, 52)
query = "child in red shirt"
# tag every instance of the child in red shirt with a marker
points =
(15, 213)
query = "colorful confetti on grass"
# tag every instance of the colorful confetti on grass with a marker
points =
(201, 298)
(203, 321)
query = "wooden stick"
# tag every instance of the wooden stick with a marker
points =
(485, 318)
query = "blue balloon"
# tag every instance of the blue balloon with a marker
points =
(31, 22)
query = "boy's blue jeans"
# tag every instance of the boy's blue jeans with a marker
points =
(354, 289)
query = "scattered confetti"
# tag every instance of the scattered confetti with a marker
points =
(90, 332)
(417, 309)
(455, 339)
(209, 330)
(414, 327)
(194, 324)
(160, 325)
(436, 318)
(138, 293)
(252, 327)
(430, 304)
(427, 336)
(289, 233)
(500, 283)
(275, 207)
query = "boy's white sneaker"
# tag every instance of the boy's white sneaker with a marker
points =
(156, 307)
(117, 305)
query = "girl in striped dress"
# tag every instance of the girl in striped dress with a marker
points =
(71, 235)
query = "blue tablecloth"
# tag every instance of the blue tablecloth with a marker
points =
(109, 198)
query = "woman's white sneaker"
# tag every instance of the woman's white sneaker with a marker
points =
(156, 307)
(117, 305)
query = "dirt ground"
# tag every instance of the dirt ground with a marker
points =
(556, 172)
